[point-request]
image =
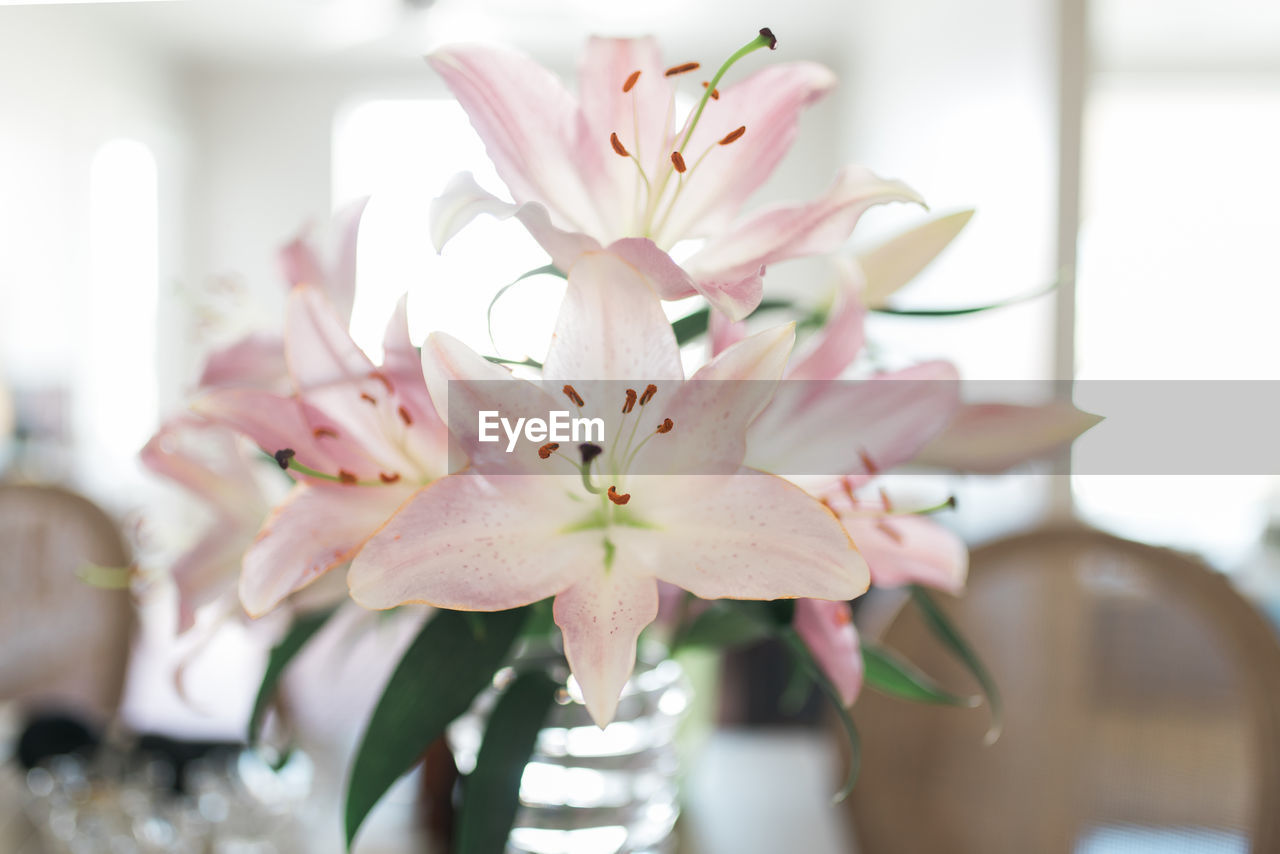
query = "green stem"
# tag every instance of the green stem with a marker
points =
(294, 465)
(765, 39)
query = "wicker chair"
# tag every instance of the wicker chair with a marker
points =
(62, 642)
(1142, 702)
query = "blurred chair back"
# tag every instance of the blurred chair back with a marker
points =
(1142, 700)
(63, 643)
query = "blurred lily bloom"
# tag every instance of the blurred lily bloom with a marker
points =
(358, 438)
(827, 629)
(257, 359)
(618, 167)
(664, 497)
(207, 460)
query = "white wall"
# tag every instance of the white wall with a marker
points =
(71, 85)
(960, 101)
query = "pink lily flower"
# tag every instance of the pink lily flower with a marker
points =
(257, 359)
(827, 629)
(879, 424)
(360, 440)
(206, 459)
(616, 167)
(494, 537)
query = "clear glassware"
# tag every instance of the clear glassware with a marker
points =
(233, 803)
(587, 790)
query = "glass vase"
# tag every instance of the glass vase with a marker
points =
(610, 791)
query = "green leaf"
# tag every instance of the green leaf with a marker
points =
(691, 326)
(889, 673)
(973, 309)
(800, 651)
(528, 363)
(945, 630)
(303, 629)
(796, 692)
(725, 623)
(443, 670)
(491, 793)
(698, 322)
(547, 270)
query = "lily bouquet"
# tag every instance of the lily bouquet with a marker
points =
(706, 481)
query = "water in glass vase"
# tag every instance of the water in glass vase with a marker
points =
(587, 790)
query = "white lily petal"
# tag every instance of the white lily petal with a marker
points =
(611, 326)
(601, 617)
(744, 536)
(991, 437)
(463, 200)
(317, 528)
(796, 230)
(476, 543)
(900, 259)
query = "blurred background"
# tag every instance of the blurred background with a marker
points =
(154, 156)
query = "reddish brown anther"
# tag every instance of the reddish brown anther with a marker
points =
(677, 160)
(630, 402)
(631, 81)
(572, 393)
(618, 498)
(382, 378)
(649, 391)
(868, 463)
(618, 146)
(346, 476)
(681, 69)
(388, 478)
(405, 417)
(884, 499)
(734, 136)
(886, 529)
(548, 449)
(666, 425)
(324, 433)
(715, 93)
(368, 398)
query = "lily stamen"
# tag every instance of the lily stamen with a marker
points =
(618, 146)
(405, 417)
(589, 453)
(630, 402)
(649, 391)
(884, 499)
(548, 449)
(368, 398)
(677, 160)
(384, 379)
(682, 69)
(575, 398)
(715, 93)
(324, 433)
(286, 458)
(887, 529)
(618, 498)
(631, 81)
(733, 136)
(666, 426)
